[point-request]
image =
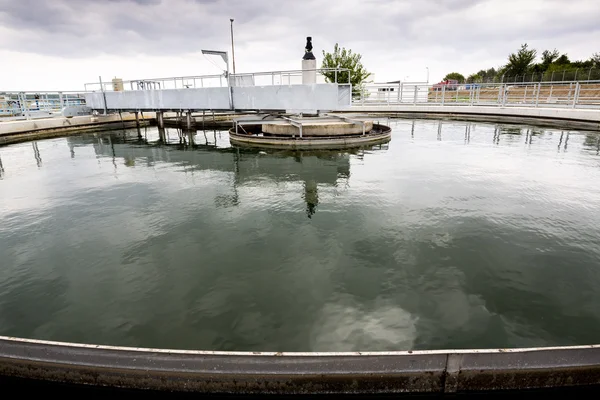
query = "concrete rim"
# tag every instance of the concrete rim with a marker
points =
(334, 143)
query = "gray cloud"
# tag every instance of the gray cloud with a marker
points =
(385, 31)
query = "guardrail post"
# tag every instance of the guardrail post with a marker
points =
(401, 91)
(576, 95)
(504, 95)
(415, 96)
(537, 95)
(60, 100)
(443, 93)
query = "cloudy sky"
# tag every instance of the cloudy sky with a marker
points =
(61, 44)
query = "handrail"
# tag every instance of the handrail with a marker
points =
(179, 82)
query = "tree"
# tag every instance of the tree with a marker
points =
(474, 78)
(548, 57)
(342, 58)
(596, 60)
(519, 63)
(456, 76)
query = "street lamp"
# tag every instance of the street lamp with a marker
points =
(232, 46)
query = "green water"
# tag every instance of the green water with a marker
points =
(453, 235)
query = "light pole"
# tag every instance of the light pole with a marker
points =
(232, 46)
(427, 68)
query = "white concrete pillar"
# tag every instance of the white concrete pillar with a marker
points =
(309, 72)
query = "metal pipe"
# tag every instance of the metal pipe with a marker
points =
(232, 47)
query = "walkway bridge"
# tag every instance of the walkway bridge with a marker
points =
(263, 91)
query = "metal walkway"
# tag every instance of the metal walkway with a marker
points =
(265, 91)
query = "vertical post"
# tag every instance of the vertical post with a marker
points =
(214, 122)
(189, 120)
(335, 74)
(103, 95)
(551, 89)
(537, 95)
(60, 100)
(576, 95)
(563, 78)
(230, 87)
(504, 93)
(137, 124)
(203, 120)
(273, 78)
(401, 90)
(161, 126)
(415, 96)
(160, 119)
(232, 46)
(552, 77)
(525, 94)
(576, 74)
(590, 73)
(443, 94)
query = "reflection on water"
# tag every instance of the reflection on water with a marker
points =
(453, 235)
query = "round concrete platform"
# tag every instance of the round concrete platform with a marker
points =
(318, 128)
(381, 134)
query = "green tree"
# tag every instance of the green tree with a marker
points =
(455, 75)
(596, 60)
(342, 58)
(474, 78)
(548, 57)
(520, 63)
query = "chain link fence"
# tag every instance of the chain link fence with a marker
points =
(567, 75)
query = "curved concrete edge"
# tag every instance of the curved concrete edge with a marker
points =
(24, 130)
(318, 129)
(418, 372)
(569, 117)
(307, 143)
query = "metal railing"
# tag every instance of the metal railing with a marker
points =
(42, 103)
(270, 78)
(572, 94)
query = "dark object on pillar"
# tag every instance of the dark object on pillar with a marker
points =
(308, 55)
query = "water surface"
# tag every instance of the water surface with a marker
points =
(454, 235)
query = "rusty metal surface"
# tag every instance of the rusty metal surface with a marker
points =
(433, 372)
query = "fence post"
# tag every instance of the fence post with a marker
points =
(504, 93)
(537, 95)
(60, 100)
(443, 93)
(415, 98)
(399, 92)
(576, 95)
(590, 73)
(576, 74)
